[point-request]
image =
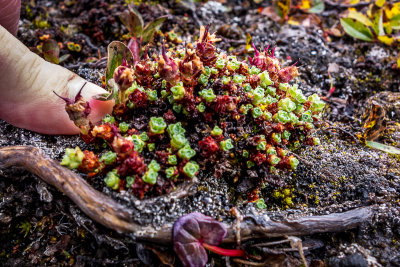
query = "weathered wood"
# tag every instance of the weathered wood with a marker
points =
(108, 212)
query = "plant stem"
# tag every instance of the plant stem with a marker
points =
(225, 252)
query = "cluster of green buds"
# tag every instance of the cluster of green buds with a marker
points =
(177, 136)
(72, 158)
(112, 179)
(226, 145)
(157, 125)
(109, 158)
(186, 152)
(152, 172)
(232, 64)
(208, 95)
(138, 142)
(205, 76)
(178, 91)
(285, 195)
(190, 169)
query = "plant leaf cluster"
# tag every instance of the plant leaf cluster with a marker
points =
(379, 22)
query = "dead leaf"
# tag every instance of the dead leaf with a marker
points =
(375, 122)
(333, 68)
(386, 39)
(270, 13)
(305, 20)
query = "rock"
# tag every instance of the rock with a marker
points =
(355, 260)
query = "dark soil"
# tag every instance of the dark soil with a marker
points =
(40, 226)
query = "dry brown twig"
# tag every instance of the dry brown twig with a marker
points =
(106, 211)
(239, 218)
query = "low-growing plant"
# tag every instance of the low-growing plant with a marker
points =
(200, 111)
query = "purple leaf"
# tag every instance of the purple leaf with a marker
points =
(190, 232)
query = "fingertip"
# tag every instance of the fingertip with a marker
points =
(100, 109)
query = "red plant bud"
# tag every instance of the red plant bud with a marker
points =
(287, 74)
(278, 127)
(144, 73)
(208, 146)
(169, 116)
(139, 188)
(254, 80)
(254, 195)
(87, 138)
(134, 164)
(258, 158)
(120, 110)
(104, 132)
(78, 110)
(205, 48)
(272, 63)
(162, 156)
(284, 163)
(138, 98)
(167, 68)
(190, 68)
(123, 76)
(273, 108)
(258, 60)
(224, 104)
(122, 146)
(90, 164)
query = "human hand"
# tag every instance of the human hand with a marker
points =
(27, 83)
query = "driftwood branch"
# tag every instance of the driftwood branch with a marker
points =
(108, 212)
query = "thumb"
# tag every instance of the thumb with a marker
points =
(26, 90)
(9, 14)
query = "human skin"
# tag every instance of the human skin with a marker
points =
(27, 83)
